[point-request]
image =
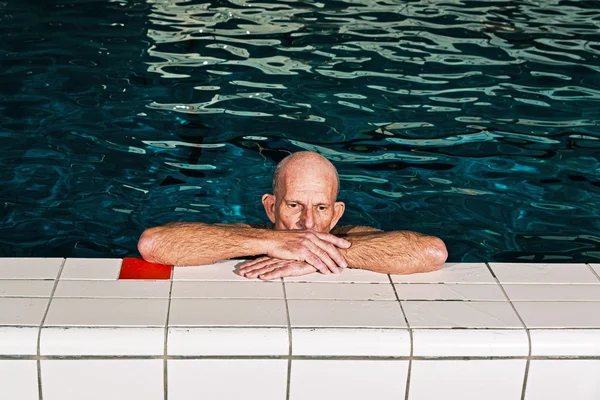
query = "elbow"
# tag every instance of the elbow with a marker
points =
(438, 254)
(147, 245)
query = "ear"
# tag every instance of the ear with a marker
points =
(268, 201)
(338, 211)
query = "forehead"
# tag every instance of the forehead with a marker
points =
(316, 188)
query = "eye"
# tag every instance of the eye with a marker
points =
(292, 205)
(322, 208)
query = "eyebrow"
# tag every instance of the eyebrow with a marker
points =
(299, 202)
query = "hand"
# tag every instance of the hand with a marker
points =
(267, 268)
(320, 250)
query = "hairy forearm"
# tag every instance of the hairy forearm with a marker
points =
(398, 252)
(198, 243)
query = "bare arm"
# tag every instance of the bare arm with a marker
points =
(395, 252)
(199, 243)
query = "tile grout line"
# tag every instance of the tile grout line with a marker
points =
(289, 326)
(165, 353)
(410, 334)
(593, 271)
(528, 362)
(39, 337)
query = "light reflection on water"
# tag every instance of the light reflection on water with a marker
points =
(473, 121)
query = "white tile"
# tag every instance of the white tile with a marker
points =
(91, 268)
(102, 342)
(348, 275)
(425, 291)
(107, 312)
(563, 379)
(227, 312)
(341, 291)
(467, 380)
(596, 268)
(348, 379)
(565, 342)
(350, 342)
(22, 311)
(559, 314)
(470, 342)
(228, 342)
(543, 273)
(102, 379)
(460, 314)
(30, 268)
(450, 273)
(226, 379)
(19, 380)
(18, 341)
(219, 271)
(26, 288)
(555, 292)
(113, 289)
(232, 290)
(346, 314)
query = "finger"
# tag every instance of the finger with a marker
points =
(332, 251)
(250, 263)
(323, 256)
(312, 259)
(257, 266)
(266, 268)
(294, 269)
(339, 242)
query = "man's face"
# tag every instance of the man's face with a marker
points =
(305, 200)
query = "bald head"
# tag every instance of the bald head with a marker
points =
(305, 163)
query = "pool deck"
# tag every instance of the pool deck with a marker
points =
(90, 329)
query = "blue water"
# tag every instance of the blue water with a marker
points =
(475, 121)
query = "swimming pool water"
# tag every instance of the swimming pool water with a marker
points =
(473, 121)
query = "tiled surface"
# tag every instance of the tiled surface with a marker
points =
(18, 340)
(26, 288)
(232, 290)
(19, 380)
(22, 311)
(470, 343)
(460, 314)
(467, 380)
(113, 289)
(560, 314)
(555, 292)
(102, 341)
(220, 271)
(227, 379)
(339, 379)
(349, 275)
(467, 292)
(30, 268)
(543, 273)
(347, 314)
(102, 379)
(224, 328)
(350, 342)
(91, 268)
(107, 312)
(451, 273)
(563, 379)
(565, 342)
(350, 291)
(596, 268)
(227, 312)
(228, 342)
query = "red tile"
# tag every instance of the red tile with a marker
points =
(136, 268)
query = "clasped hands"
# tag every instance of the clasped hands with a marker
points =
(296, 253)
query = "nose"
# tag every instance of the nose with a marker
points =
(308, 218)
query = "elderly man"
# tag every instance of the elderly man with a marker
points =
(303, 238)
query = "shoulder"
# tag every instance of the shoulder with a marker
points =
(352, 229)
